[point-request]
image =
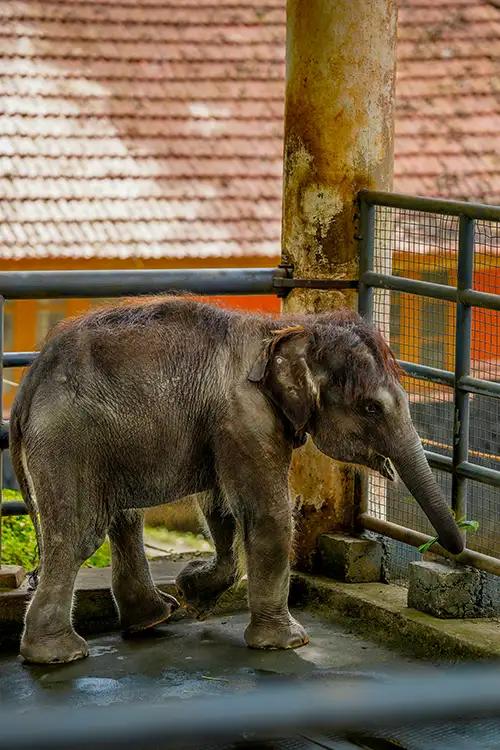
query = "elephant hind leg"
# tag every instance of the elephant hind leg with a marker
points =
(141, 605)
(202, 582)
(69, 538)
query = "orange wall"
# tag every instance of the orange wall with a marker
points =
(485, 343)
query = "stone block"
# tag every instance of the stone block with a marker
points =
(11, 576)
(350, 559)
(448, 590)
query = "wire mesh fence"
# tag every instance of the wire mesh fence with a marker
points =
(425, 241)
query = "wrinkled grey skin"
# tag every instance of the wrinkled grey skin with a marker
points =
(144, 403)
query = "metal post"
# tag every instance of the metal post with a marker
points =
(365, 306)
(366, 255)
(340, 64)
(462, 364)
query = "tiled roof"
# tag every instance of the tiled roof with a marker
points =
(153, 128)
(448, 99)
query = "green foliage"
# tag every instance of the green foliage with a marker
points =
(11, 495)
(19, 541)
(463, 524)
(101, 558)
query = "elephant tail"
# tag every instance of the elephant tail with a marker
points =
(20, 466)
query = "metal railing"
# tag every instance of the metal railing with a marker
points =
(95, 284)
(465, 298)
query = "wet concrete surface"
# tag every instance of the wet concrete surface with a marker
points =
(189, 658)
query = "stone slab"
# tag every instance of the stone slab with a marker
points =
(350, 559)
(11, 576)
(448, 590)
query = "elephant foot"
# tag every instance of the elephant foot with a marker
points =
(146, 614)
(276, 634)
(201, 584)
(54, 649)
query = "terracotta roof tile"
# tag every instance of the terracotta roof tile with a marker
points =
(254, 14)
(153, 128)
(128, 189)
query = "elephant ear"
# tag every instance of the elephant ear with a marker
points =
(282, 368)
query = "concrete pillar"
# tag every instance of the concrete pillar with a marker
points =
(338, 139)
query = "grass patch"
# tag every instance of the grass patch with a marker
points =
(19, 541)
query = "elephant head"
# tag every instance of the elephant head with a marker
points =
(334, 377)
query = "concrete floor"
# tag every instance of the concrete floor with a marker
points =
(189, 658)
(186, 658)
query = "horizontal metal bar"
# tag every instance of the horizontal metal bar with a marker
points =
(465, 469)
(412, 286)
(431, 205)
(19, 359)
(422, 372)
(480, 299)
(14, 508)
(416, 538)
(88, 284)
(437, 461)
(472, 451)
(430, 289)
(479, 386)
(467, 383)
(402, 698)
(479, 473)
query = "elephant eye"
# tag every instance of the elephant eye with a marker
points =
(372, 408)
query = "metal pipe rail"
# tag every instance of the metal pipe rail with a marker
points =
(415, 538)
(465, 297)
(465, 383)
(430, 205)
(430, 289)
(92, 284)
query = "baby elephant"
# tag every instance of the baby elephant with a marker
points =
(146, 402)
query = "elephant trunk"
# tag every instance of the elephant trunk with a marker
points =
(412, 467)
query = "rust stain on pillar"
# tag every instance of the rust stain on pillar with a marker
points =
(338, 139)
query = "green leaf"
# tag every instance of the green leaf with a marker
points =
(426, 547)
(470, 525)
(462, 524)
